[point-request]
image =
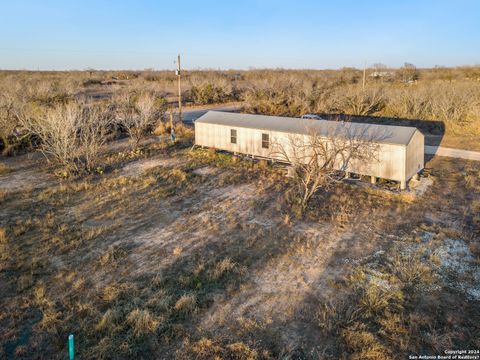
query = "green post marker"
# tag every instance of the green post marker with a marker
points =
(71, 351)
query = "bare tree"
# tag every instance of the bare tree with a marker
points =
(355, 101)
(8, 120)
(380, 67)
(137, 115)
(92, 134)
(408, 72)
(70, 134)
(321, 155)
(12, 136)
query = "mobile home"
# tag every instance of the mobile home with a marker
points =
(400, 149)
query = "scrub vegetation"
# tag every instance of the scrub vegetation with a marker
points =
(443, 102)
(145, 248)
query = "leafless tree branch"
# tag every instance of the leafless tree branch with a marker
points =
(318, 156)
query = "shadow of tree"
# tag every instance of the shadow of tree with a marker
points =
(446, 211)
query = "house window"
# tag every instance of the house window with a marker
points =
(265, 141)
(233, 136)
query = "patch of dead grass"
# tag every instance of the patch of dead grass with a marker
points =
(186, 304)
(4, 169)
(206, 348)
(142, 322)
(3, 236)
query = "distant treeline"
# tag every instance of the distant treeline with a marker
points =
(450, 96)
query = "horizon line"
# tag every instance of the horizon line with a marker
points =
(250, 68)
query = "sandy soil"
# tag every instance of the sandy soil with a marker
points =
(178, 236)
(139, 167)
(26, 172)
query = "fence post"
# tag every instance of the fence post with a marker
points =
(71, 350)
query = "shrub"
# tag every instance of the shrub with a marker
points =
(142, 322)
(4, 169)
(208, 94)
(162, 128)
(108, 321)
(184, 132)
(206, 348)
(223, 267)
(116, 292)
(138, 115)
(70, 134)
(186, 304)
(364, 345)
(177, 175)
(355, 101)
(12, 136)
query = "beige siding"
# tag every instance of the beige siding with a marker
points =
(415, 155)
(394, 162)
(249, 141)
(389, 163)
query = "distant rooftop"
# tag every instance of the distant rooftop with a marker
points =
(387, 134)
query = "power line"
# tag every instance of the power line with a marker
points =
(86, 51)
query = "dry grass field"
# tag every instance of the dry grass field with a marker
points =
(172, 253)
(144, 248)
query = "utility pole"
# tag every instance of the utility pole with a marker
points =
(364, 71)
(172, 128)
(179, 88)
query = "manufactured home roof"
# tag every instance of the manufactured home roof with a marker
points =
(388, 134)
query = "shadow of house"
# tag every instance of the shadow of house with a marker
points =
(433, 131)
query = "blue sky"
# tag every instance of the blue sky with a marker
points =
(127, 34)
